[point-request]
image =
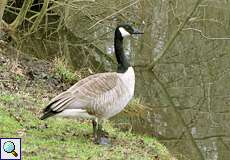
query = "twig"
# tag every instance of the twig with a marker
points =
(113, 14)
(206, 37)
(8, 10)
(170, 42)
(5, 80)
(66, 4)
(18, 9)
(40, 16)
(34, 12)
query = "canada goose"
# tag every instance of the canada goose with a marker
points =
(99, 96)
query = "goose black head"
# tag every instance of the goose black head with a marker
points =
(126, 30)
(122, 31)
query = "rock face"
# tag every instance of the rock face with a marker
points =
(195, 74)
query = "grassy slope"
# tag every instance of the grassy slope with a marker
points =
(67, 139)
(21, 101)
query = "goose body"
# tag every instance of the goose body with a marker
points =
(99, 96)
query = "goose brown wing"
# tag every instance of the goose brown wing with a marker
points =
(82, 94)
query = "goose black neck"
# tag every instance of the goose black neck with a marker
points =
(123, 64)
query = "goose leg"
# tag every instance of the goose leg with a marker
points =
(94, 129)
(102, 136)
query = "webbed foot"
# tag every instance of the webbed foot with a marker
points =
(102, 141)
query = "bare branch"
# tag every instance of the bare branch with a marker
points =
(206, 37)
(40, 16)
(22, 14)
(170, 42)
(114, 14)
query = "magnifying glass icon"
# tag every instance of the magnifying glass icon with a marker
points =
(9, 147)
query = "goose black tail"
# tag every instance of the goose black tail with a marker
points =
(48, 114)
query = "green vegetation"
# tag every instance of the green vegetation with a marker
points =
(63, 72)
(64, 138)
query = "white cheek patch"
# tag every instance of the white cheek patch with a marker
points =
(124, 33)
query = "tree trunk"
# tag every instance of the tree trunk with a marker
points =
(22, 14)
(2, 8)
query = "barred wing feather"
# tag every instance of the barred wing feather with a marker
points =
(87, 94)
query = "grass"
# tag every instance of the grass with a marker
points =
(59, 138)
(63, 71)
